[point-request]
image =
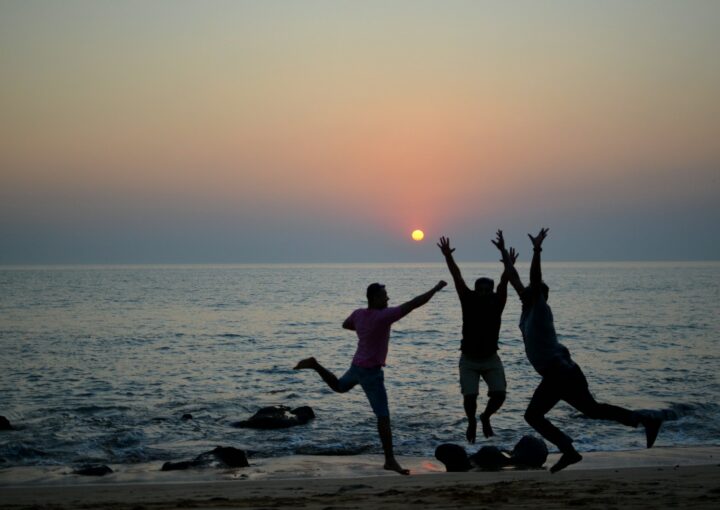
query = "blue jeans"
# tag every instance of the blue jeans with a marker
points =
(372, 381)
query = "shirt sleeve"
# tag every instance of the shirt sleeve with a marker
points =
(393, 313)
(351, 320)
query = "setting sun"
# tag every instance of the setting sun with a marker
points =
(418, 235)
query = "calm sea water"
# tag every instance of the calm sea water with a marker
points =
(99, 363)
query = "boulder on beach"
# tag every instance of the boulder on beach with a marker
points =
(490, 458)
(5, 424)
(453, 456)
(530, 452)
(177, 466)
(277, 417)
(93, 470)
(221, 456)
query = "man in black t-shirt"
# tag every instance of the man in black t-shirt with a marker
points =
(481, 312)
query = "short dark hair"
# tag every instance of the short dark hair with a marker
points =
(485, 281)
(374, 289)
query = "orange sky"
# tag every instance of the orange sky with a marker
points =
(392, 116)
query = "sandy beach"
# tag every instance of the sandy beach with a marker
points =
(657, 478)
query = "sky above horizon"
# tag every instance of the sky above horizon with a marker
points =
(321, 131)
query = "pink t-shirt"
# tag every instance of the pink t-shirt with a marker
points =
(373, 330)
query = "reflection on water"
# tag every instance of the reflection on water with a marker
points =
(100, 363)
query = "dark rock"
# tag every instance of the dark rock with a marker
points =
(231, 457)
(453, 456)
(490, 458)
(221, 456)
(530, 451)
(304, 413)
(277, 417)
(175, 466)
(5, 424)
(186, 417)
(93, 471)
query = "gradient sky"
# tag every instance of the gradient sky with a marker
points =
(326, 131)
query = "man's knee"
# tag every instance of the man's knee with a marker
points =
(498, 396)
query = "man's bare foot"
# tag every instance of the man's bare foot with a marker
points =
(471, 430)
(306, 363)
(392, 465)
(487, 429)
(567, 459)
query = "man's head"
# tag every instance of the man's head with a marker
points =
(377, 296)
(484, 286)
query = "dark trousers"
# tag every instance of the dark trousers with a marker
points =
(565, 381)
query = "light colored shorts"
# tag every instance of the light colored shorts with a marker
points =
(372, 381)
(490, 369)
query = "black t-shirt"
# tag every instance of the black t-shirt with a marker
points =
(481, 323)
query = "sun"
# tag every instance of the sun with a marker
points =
(417, 235)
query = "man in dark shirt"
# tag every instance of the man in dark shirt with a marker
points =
(481, 312)
(562, 378)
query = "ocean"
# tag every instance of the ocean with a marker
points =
(100, 363)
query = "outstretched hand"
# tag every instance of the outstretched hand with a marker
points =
(538, 239)
(444, 246)
(440, 285)
(510, 256)
(499, 241)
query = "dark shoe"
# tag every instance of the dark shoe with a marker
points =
(652, 427)
(567, 459)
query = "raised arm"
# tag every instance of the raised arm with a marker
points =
(508, 259)
(501, 291)
(444, 246)
(535, 271)
(422, 298)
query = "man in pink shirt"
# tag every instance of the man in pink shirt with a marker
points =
(372, 325)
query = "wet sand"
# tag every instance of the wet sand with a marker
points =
(657, 478)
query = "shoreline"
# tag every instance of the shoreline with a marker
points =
(657, 478)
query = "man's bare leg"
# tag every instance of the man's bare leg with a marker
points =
(470, 405)
(496, 400)
(391, 464)
(327, 376)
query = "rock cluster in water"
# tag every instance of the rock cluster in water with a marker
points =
(91, 470)
(277, 417)
(222, 456)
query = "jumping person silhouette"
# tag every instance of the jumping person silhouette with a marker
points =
(562, 378)
(481, 316)
(372, 325)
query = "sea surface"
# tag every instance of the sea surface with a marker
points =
(99, 363)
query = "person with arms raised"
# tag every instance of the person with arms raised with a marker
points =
(481, 317)
(562, 378)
